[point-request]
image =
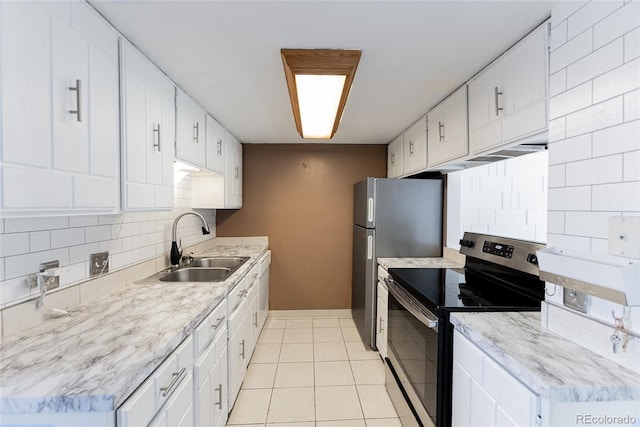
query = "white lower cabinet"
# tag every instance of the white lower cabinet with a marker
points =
(210, 382)
(382, 314)
(239, 334)
(263, 297)
(178, 411)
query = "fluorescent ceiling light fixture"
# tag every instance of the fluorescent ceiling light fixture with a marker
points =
(319, 81)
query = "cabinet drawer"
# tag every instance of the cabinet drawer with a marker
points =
(210, 327)
(235, 319)
(265, 262)
(145, 402)
(252, 277)
(236, 296)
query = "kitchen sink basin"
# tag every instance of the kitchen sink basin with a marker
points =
(188, 274)
(231, 262)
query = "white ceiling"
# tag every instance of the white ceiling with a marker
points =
(226, 54)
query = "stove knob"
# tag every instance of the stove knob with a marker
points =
(466, 243)
(532, 258)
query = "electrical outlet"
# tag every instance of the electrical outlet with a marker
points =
(624, 236)
(99, 263)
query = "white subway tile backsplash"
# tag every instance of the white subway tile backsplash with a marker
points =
(111, 246)
(481, 201)
(564, 10)
(39, 241)
(97, 234)
(14, 289)
(600, 246)
(617, 139)
(124, 258)
(532, 200)
(631, 166)
(147, 227)
(126, 244)
(469, 217)
(632, 45)
(75, 273)
(570, 198)
(558, 82)
(566, 241)
(1, 269)
(14, 244)
(590, 14)
(1, 225)
(140, 241)
(572, 100)
(17, 225)
(555, 222)
(632, 105)
(623, 196)
(125, 230)
(497, 184)
(599, 62)
(557, 129)
(571, 149)
(572, 51)
(111, 219)
(588, 224)
(596, 117)
(22, 265)
(528, 184)
(487, 216)
(557, 176)
(511, 216)
(617, 24)
(599, 170)
(81, 253)
(519, 231)
(147, 252)
(558, 35)
(67, 237)
(617, 82)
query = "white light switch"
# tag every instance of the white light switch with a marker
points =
(624, 236)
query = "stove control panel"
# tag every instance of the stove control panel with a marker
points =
(499, 249)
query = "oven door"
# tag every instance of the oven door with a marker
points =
(413, 351)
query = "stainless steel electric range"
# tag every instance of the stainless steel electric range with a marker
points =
(500, 274)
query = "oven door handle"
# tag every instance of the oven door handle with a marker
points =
(408, 302)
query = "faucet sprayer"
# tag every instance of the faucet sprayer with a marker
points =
(176, 252)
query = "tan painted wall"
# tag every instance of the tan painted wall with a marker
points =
(301, 196)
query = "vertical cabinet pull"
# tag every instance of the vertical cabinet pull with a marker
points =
(242, 352)
(497, 93)
(255, 319)
(393, 160)
(219, 390)
(156, 132)
(236, 171)
(411, 147)
(219, 147)
(381, 324)
(196, 132)
(441, 130)
(78, 90)
(176, 376)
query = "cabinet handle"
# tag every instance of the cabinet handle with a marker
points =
(219, 390)
(218, 323)
(496, 94)
(242, 352)
(176, 376)
(196, 132)
(441, 130)
(78, 90)
(236, 171)
(255, 319)
(381, 324)
(219, 147)
(156, 131)
(393, 160)
(411, 147)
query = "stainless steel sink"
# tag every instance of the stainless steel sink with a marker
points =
(231, 262)
(198, 274)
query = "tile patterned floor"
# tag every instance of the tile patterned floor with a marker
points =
(310, 369)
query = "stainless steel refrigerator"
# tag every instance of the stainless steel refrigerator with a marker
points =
(392, 218)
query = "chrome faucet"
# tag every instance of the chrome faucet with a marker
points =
(176, 252)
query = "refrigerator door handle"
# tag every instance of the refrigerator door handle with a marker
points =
(369, 247)
(370, 210)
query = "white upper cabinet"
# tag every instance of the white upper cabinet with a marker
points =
(508, 100)
(191, 139)
(394, 158)
(216, 149)
(415, 147)
(60, 110)
(233, 181)
(447, 129)
(148, 120)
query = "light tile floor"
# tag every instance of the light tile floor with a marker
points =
(310, 369)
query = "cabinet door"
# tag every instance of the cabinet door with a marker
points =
(485, 100)
(382, 319)
(447, 129)
(215, 145)
(263, 304)
(394, 158)
(233, 173)
(191, 139)
(415, 147)
(178, 410)
(461, 396)
(237, 354)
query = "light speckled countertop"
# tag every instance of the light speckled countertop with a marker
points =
(440, 262)
(95, 358)
(547, 363)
